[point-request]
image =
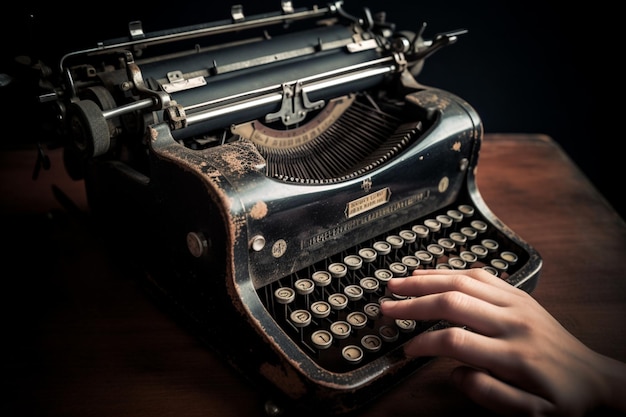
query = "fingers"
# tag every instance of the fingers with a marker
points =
(472, 298)
(497, 396)
(478, 274)
(500, 348)
(475, 282)
(463, 345)
(453, 306)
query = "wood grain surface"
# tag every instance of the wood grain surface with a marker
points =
(82, 339)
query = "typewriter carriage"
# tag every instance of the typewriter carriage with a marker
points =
(106, 97)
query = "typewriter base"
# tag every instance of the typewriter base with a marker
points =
(103, 349)
(220, 326)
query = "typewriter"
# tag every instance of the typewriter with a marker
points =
(270, 173)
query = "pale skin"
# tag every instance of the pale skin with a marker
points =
(517, 359)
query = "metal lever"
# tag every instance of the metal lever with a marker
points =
(440, 40)
(295, 105)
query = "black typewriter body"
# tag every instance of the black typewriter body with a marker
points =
(270, 186)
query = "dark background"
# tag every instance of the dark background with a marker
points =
(527, 67)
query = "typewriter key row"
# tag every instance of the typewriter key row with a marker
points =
(332, 309)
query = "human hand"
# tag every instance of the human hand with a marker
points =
(518, 359)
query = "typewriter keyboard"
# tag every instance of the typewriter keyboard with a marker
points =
(331, 309)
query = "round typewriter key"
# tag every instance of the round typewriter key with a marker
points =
(455, 215)
(321, 278)
(411, 262)
(469, 232)
(382, 248)
(300, 318)
(285, 295)
(425, 257)
(369, 284)
(421, 231)
(443, 265)
(395, 241)
(490, 244)
(409, 236)
(491, 270)
(468, 257)
(406, 325)
(388, 333)
(458, 238)
(398, 296)
(446, 221)
(510, 257)
(479, 225)
(367, 254)
(435, 249)
(353, 292)
(371, 343)
(337, 270)
(467, 210)
(352, 354)
(384, 298)
(398, 269)
(304, 286)
(446, 243)
(383, 275)
(353, 262)
(337, 301)
(357, 320)
(457, 263)
(340, 329)
(372, 310)
(433, 225)
(322, 339)
(479, 250)
(320, 309)
(500, 264)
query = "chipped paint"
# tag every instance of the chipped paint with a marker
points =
(259, 210)
(236, 161)
(429, 99)
(456, 146)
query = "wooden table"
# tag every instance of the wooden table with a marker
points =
(82, 339)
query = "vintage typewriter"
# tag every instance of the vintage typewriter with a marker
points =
(270, 173)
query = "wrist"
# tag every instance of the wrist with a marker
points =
(612, 374)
